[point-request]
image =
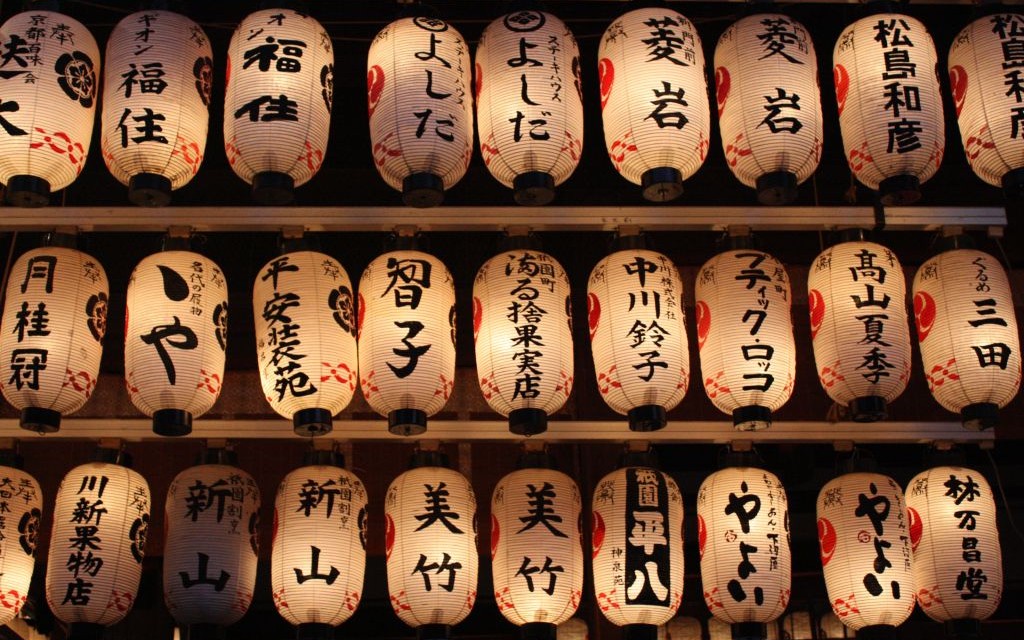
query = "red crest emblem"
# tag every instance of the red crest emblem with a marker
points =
(841, 77)
(606, 70)
(723, 83)
(924, 314)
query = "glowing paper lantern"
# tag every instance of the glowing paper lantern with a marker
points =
(21, 501)
(277, 106)
(572, 629)
(418, 78)
(859, 328)
(55, 316)
(522, 329)
(893, 134)
(305, 315)
(156, 99)
(967, 331)
(48, 79)
(745, 335)
(769, 104)
(529, 103)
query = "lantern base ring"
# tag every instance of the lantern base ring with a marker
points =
(311, 423)
(899, 191)
(149, 190)
(877, 632)
(273, 188)
(315, 631)
(776, 188)
(752, 418)
(980, 416)
(534, 188)
(538, 631)
(662, 184)
(749, 631)
(422, 190)
(172, 422)
(407, 422)
(648, 417)
(28, 191)
(86, 631)
(433, 632)
(1013, 185)
(527, 422)
(868, 409)
(963, 629)
(40, 420)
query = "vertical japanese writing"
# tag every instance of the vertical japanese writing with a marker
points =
(647, 553)
(32, 320)
(867, 270)
(531, 116)
(986, 313)
(439, 118)
(1010, 30)
(529, 273)
(876, 508)
(901, 93)
(653, 298)
(758, 281)
(283, 334)
(82, 563)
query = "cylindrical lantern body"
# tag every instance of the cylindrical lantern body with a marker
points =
(55, 317)
(430, 546)
(856, 295)
(745, 335)
(421, 107)
(21, 500)
(522, 329)
(638, 339)
(97, 544)
(638, 546)
(212, 544)
(769, 104)
(864, 538)
(657, 121)
(537, 546)
(318, 553)
(572, 629)
(49, 76)
(176, 332)
(893, 133)
(529, 103)
(967, 331)
(407, 338)
(305, 315)
(958, 563)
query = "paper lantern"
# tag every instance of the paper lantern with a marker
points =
(48, 80)
(638, 335)
(684, 628)
(529, 103)
(745, 335)
(156, 99)
(100, 524)
(638, 546)
(893, 134)
(176, 331)
(21, 501)
(418, 79)
(407, 338)
(769, 104)
(522, 330)
(864, 537)
(572, 629)
(967, 330)
(55, 316)
(657, 123)
(305, 316)
(277, 106)
(211, 521)
(857, 296)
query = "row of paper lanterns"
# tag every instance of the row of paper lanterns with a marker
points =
(528, 99)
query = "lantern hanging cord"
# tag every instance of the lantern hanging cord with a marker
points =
(1002, 494)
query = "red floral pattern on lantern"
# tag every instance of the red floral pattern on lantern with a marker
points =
(723, 83)
(827, 540)
(606, 71)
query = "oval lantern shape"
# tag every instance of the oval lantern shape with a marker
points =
(305, 315)
(156, 101)
(50, 78)
(407, 338)
(21, 500)
(55, 317)
(745, 335)
(573, 629)
(638, 546)
(769, 104)
(657, 122)
(967, 331)
(529, 103)
(864, 538)
(176, 331)
(100, 523)
(211, 544)
(418, 78)
(522, 331)
(857, 296)
(885, 68)
(277, 105)
(638, 335)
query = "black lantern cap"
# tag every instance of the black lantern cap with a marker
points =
(630, 242)
(40, 420)
(868, 409)
(749, 631)
(112, 456)
(28, 191)
(422, 190)
(1013, 185)
(527, 422)
(776, 188)
(219, 456)
(853, 234)
(648, 417)
(322, 457)
(433, 632)
(955, 241)
(85, 631)
(646, 458)
(273, 188)
(311, 423)
(407, 422)
(315, 631)
(963, 629)
(742, 241)
(980, 416)
(172, 422)
(61, 239)
(149, 190)
(640, 632)
(899, 191)
(538, 631)
(661, 184)
(858, 463)
(425, 458)
(536, 460)
(534, 188)
(744, 416)
(877, 632)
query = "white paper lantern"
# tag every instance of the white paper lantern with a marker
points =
(958, 563)
(97, 544)
(176, 332)
(657, 121)
(529, 103)
(769, 104)
(893, 133)
(421, 108)
(638, 335)
(745, 335)
(407, 338)
(21, 502)
(857, 298)
(305, 315)
(967, 330)
(49, 75)
(211, 518)
(573, 629)
(277, 106)
(864, 538)
(522, 330)
(684, 628)
(55, 316)
(156, 98)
